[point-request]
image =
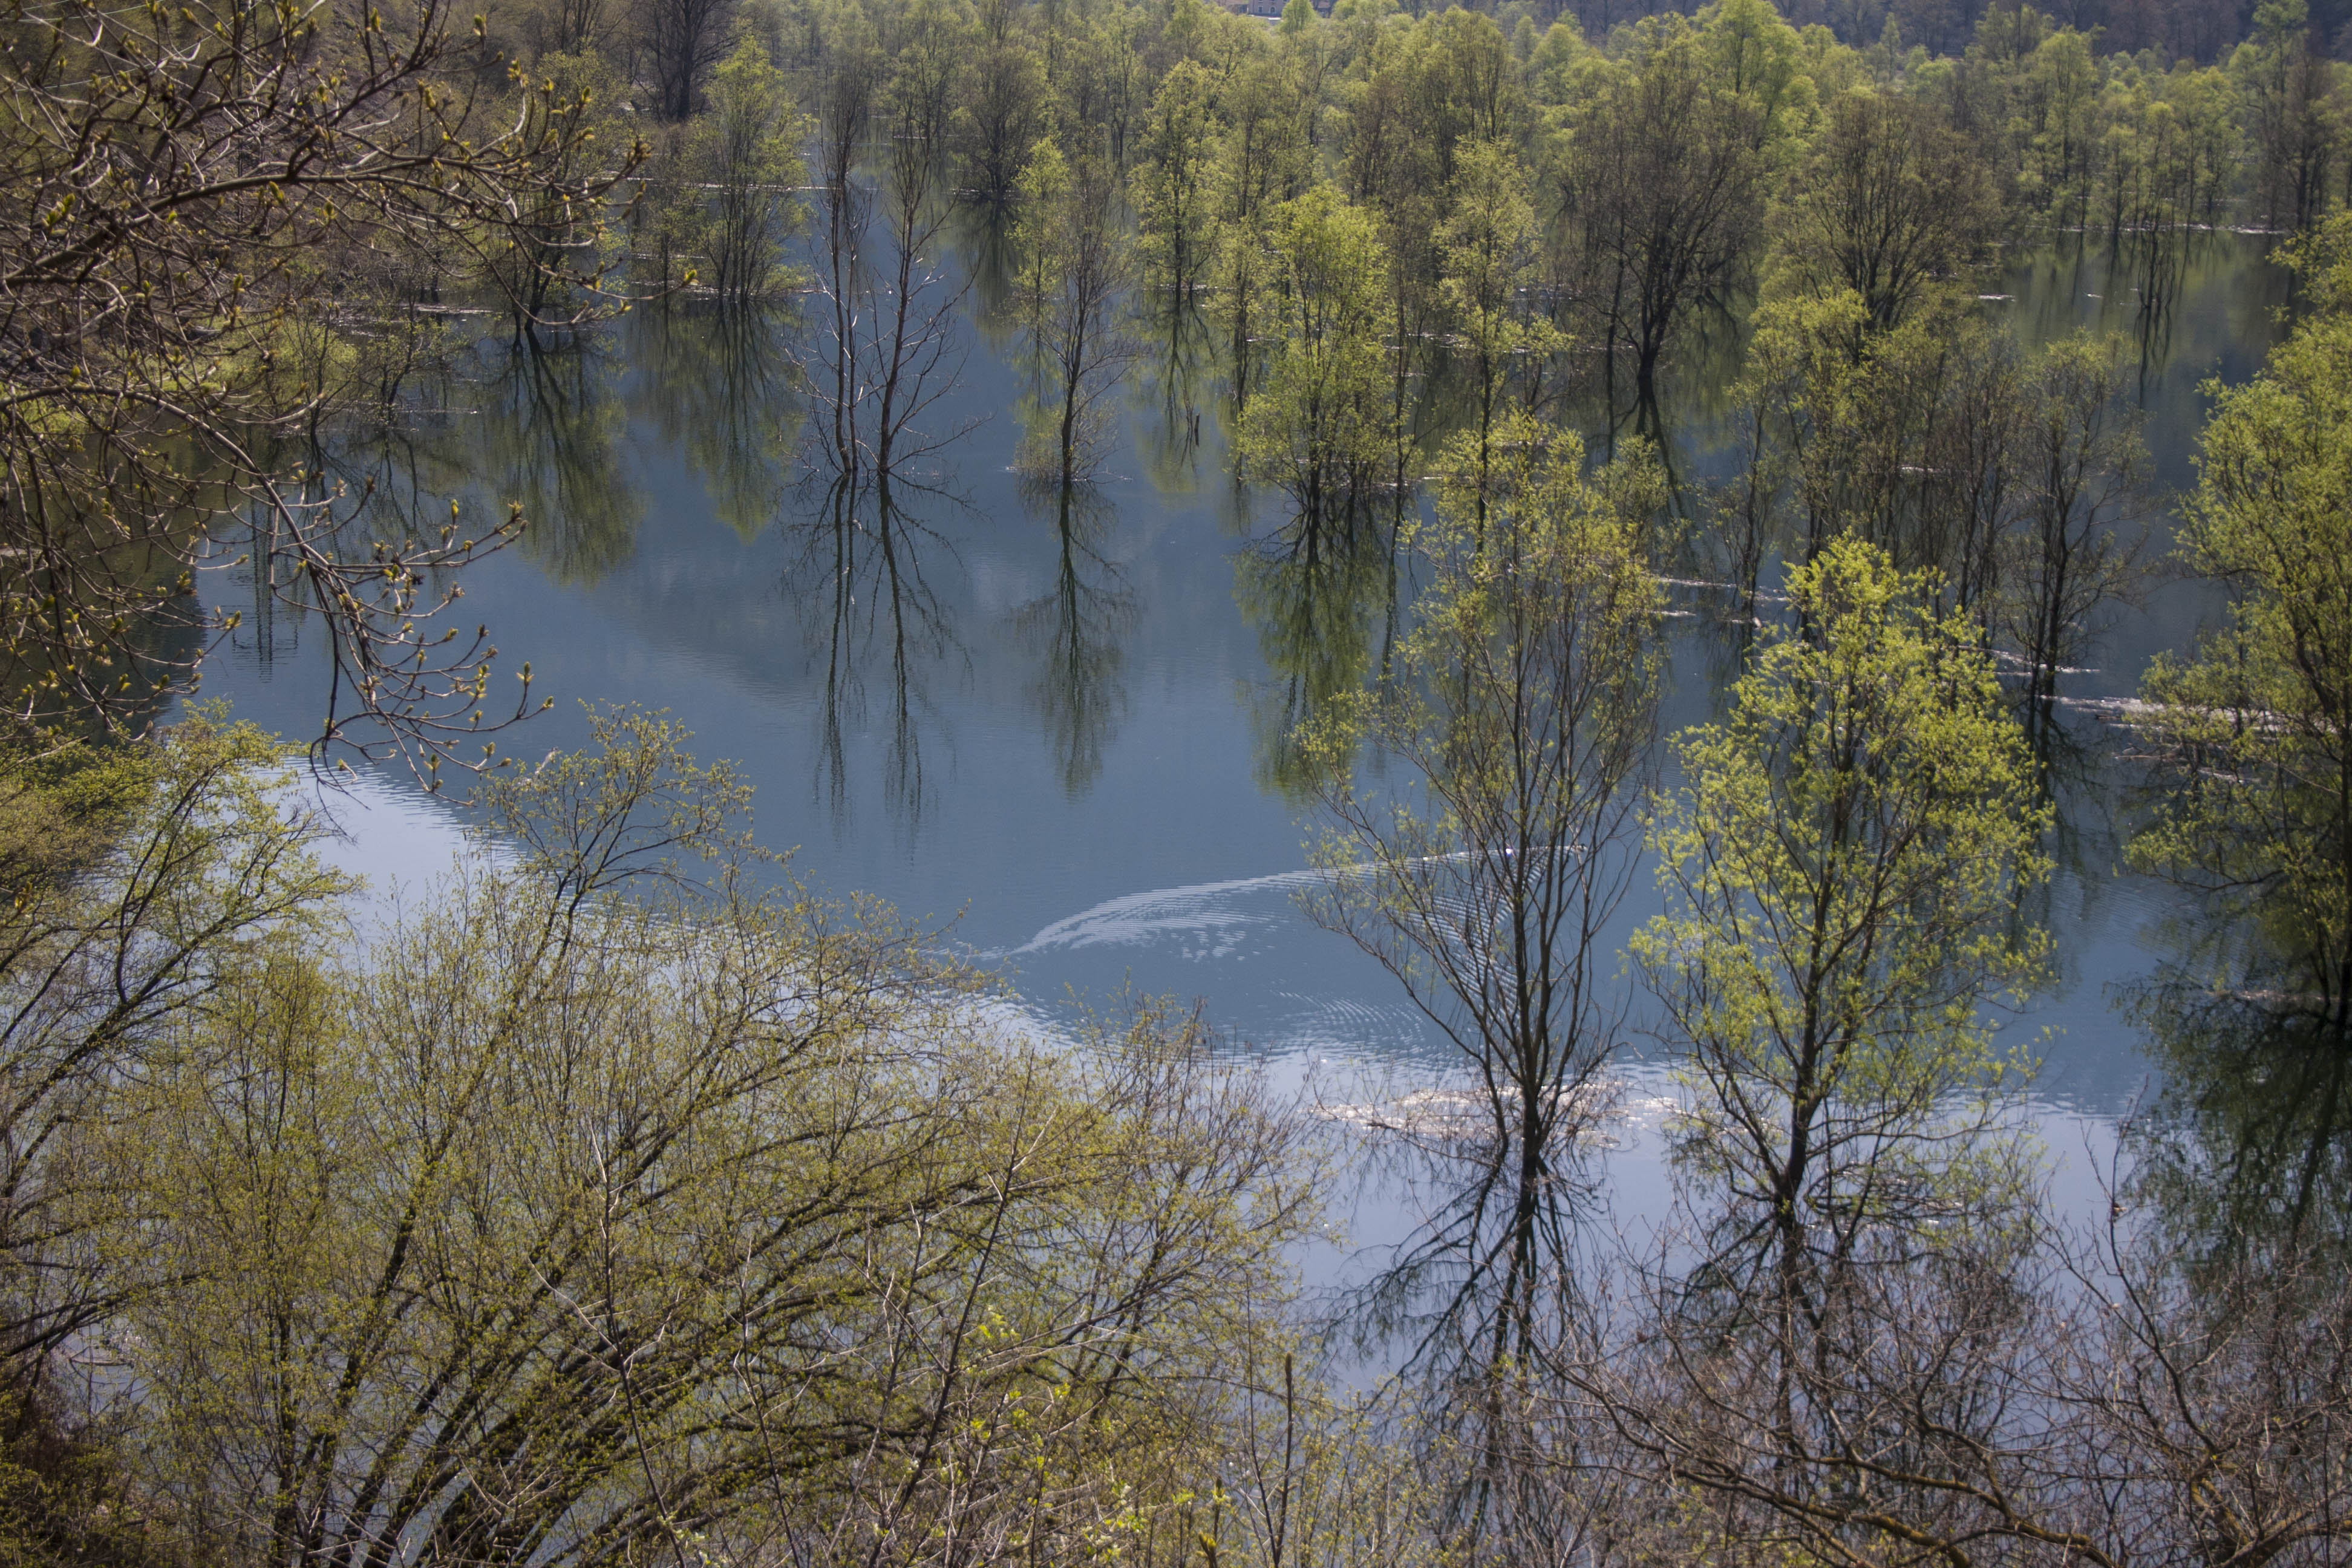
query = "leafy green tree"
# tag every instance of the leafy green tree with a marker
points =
(1913, 438)
(1317, 428)
(1041, 199)
(1263, 161)
(1488, 244)
(1761, 58)
(1002, 111)
(745, 153)
(1890, 205)
(2293, 114)
(143, 882)
(1663, 169)
(1841, 866)
(1076, 265)
(605, 1205)
(2254, 727)
(1171, 185)
(1806, 386)
(2084, 465)
(2061, 152)
(2209, 110)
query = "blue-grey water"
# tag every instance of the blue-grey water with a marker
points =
(1068, 757)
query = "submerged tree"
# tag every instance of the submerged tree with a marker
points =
(1841, 867)
(1488, 248)
(2081, 460)
(1664, 175)
(1171, 187)
(1317, 429)
(744, 154)
(2254, 727)
(1520, 710)
(1891, 204)
(1073, 270)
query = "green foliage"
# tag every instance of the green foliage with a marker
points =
(1517, 721)
(2256, 724)
(2084, 465)
(746, 150)
(1317, 428)
(717, 201)
(1934, 439)
(62, 802)
(1075, 263)
(2294, 112)
(1841, 863)
(219, 219)
(1488, 246)
(1667, 157)
(1172, 185)
(143, 880)
(1263, 160)
(1526, 684)
(662, 1207)
(1041, 198)
(1890, 205)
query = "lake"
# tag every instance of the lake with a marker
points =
(1062, 747)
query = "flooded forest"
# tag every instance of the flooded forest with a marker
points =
(841, 783)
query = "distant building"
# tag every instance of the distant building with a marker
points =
(1271, 9)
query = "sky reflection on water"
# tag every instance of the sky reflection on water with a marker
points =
(1059, 745)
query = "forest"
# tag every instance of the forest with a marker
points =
(617, 1196)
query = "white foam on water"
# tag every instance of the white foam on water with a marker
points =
(1214, 911)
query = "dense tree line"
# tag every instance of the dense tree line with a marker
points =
(1554, 206)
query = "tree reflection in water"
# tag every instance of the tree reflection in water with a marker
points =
(1168, 394)
(715, 386)
(2248, 1147)
(857, 561)
(887, 350)
(547, 437)
(1316, 588)
(1075, 630)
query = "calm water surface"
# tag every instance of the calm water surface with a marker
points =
(1066, 746)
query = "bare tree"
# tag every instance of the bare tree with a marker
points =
(178, 189)
(1664, 190)
(1520, 711)
(892, 345)
(682, 41)
(2097, 1402)
(2084, 464)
